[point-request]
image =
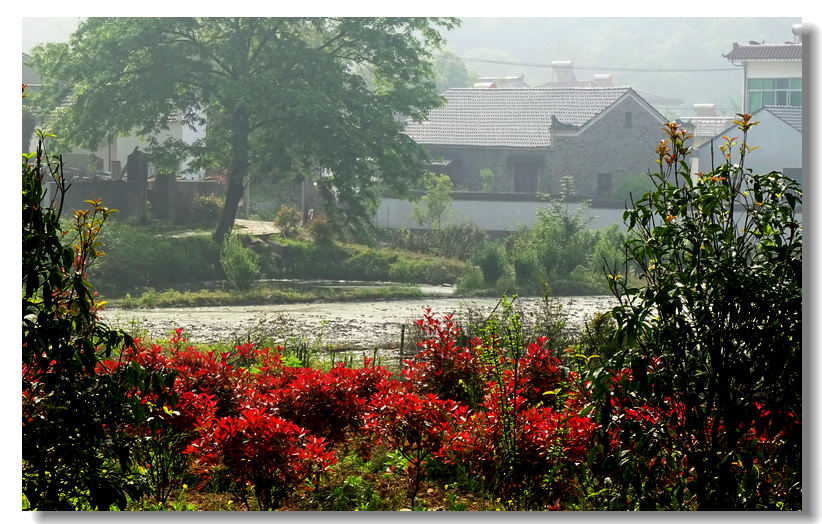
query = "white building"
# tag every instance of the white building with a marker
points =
(112, 157)
(773, 94)
(778, 137)
(773, 72)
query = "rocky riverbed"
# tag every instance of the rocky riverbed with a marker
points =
(352, 325)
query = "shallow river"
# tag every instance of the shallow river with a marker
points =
(362, 325)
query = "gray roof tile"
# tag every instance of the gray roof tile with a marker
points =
(791, 115)
(510, 117)
(746, 53)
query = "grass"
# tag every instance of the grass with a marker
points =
(263, 294)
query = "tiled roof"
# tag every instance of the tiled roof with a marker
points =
(510, 117)
(700, 126)
(791, 115)
(746, 53)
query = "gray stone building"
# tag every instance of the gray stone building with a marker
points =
(532, 137)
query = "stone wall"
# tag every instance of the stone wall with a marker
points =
(606, 147)
(170, 198)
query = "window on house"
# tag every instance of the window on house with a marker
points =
(773, 91)
(525, 177)
(604, 185)
(629, 117)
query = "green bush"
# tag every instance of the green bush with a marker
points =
(321, 231)
(714, 340)
(490, 257)
(239, 263)
(368, 264)
(609, 249)
(288, 219)
(424, 271)
(451, 241)
(137, 257)
(471, 278)
(206, 210)
(76, 438)
(429, 211)
(527, 269)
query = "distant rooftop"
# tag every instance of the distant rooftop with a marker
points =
(511, 117)
(706, 126)
(755, 52)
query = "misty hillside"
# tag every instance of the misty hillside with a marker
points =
(594, 45)
(608, 45)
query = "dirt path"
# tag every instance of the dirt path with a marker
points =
(354, 324)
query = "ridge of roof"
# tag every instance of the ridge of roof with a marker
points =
(543, 88)
(515, 117)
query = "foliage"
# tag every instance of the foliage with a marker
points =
(206, 210)
(322, 232)
(309, 260)
(486, 179)
(327, 404)
(429, 211)
(138, 257)
(264, 451)
(452, 240)
(450, 71)
(563, 252)
(239, 263)
(332, 88)
(263, 294)
(75, 444)
(490, 257)
(412, 424)
(711, 378)
(442, 367)
(288, 219)
(424, 270)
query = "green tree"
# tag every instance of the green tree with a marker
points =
(450, 71)
(287, 97)
(435, 202)
(76, 447)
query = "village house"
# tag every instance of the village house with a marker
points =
(530, 138)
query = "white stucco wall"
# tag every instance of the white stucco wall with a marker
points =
(120, 148)
(774, 70)
(495, 216)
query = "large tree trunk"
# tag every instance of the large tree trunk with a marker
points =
(232, 200)
(240, 150)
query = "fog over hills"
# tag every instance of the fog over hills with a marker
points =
(618, 46)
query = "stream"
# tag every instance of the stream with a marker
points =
(359, 326)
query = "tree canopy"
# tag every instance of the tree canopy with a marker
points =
(285, 97)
